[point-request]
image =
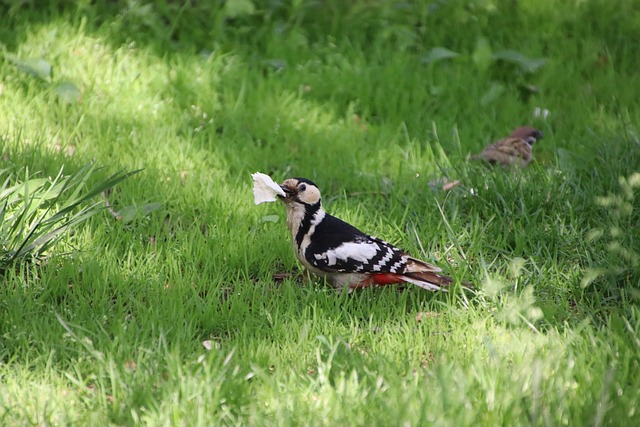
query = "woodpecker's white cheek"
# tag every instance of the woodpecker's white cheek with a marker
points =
(310, 196)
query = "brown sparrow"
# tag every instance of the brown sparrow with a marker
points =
(512, 150)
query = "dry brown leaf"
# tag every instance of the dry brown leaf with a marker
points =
(449, 185)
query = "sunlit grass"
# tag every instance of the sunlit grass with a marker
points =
(114, 332)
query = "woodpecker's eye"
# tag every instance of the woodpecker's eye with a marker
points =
(302, 187)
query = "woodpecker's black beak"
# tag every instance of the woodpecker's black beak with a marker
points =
(287, 191)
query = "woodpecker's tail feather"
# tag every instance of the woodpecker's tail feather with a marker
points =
(432, 281)
(428, 280)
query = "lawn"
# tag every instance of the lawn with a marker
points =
(183, 304)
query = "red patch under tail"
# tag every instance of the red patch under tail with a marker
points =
(380, 279)
(431, 280)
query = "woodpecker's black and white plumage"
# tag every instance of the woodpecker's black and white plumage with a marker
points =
(331, 248)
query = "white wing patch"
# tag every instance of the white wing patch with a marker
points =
(361, 252)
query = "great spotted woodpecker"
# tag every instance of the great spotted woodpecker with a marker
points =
(516, 149)
(331, 248)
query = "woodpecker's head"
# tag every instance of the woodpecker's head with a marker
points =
(527, 134)
(300, 191)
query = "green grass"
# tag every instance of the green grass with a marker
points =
(200, 96)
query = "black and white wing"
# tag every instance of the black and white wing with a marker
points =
(337, 246)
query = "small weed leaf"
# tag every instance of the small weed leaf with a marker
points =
(67, 92)
(493, 94)
(270, 218)
(527, 65)
(482, 54)
(36, 67)
(130, 213)
(438, 54)
(238, 8)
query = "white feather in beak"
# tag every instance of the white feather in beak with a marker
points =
(265, 189)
